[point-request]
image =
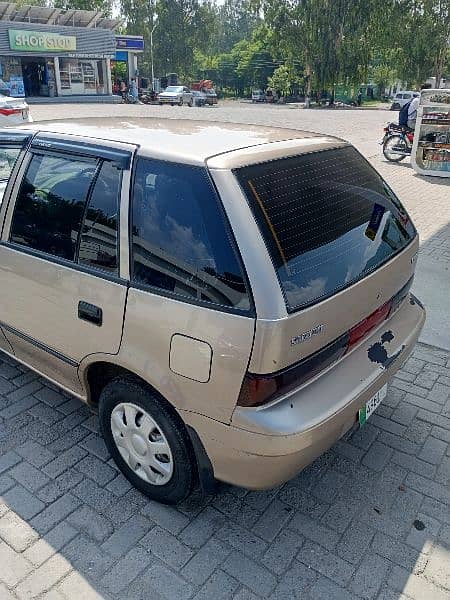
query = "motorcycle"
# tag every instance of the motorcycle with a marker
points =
(397, 142)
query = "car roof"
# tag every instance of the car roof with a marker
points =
(186, 140)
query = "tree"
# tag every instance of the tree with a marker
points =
(284, 79)
(237, 21)
(383, 75)
(104, 6)
(333, 39)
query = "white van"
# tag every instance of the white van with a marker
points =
(402, 98)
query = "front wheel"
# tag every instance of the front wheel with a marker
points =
(148, 441)
(180, 103)
(395, 148)
(191, 102)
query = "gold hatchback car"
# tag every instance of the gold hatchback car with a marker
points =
(232, 299)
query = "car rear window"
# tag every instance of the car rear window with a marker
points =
(328, 219)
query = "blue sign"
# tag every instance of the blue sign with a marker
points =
(129, 43)
(122, 56)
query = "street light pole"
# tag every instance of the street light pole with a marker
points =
(155, 17)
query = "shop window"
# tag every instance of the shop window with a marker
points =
(81, 76)
(11, 78)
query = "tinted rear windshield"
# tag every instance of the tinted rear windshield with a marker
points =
(328, 219)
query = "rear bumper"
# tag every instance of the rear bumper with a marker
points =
(267, 446)
(169, 100)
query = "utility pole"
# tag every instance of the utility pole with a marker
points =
(154, 23)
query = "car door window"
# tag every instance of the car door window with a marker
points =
(8, 157)
(180, 241)
(51, 203)
(98, 240)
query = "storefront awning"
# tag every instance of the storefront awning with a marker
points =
(10, 11)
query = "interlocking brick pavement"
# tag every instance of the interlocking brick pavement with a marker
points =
(71, 527)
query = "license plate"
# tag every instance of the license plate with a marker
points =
(372, 405)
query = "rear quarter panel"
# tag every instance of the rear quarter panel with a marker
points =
(152, 320)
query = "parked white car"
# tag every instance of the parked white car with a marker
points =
(176, 94)
(258, 96)
(13, 111)
(401, 98)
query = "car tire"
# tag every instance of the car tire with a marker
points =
(181, 102)
(160, 103)
(191, 103)
(132, 418)
(395, 106)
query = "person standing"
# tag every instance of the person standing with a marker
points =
(123, 90)
(414, 105)
(134, 90)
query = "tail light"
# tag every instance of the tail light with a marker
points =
(10, 111)
(257, 390)
(361, 330)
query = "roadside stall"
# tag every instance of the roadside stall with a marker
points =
(431, 148)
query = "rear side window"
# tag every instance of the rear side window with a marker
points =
(328, 219)
(180, 241)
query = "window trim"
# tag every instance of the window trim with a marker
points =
(247, 312)
(81, 149)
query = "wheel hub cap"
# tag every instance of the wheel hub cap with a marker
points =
(141, 443)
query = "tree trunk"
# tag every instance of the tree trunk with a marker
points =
(440, 66)
(308, 86)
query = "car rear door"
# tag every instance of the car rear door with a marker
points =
(63, 291)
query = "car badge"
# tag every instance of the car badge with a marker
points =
(306, 336)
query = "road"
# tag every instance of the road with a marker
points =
(369, 520)
(426, 198)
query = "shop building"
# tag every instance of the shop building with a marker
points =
(51, 52)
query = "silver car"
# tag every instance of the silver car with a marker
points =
(232, 299)
(176, 94)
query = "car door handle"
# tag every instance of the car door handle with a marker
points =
(90, 312)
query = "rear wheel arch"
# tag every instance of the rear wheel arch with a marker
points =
(97, 375)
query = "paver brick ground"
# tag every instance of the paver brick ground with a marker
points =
(370, 519)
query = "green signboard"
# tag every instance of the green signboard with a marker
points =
(38, 41)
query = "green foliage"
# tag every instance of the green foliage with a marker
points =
(319, 43)
(284, 79)
(103, 6)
